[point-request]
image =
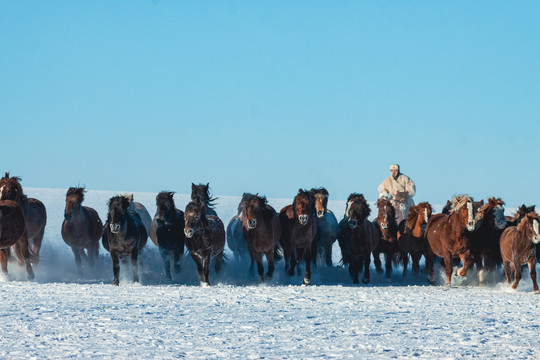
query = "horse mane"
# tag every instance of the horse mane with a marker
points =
(16, 178)
(459, 201)
(356, 196)
(245, 196)
(201, 193)
(118, 198)
(80, 191)
(528, 218)
(492, 203)
(261, 199)
(414, 212)
(320, 190)
(165, 197)
(363, 205)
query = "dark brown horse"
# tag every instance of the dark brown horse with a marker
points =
(201, 194)
(447, 237)
(298, 230)
(81, 228)
(518, 247)
(516, 219)
(357, 237)
(124, 234)
(411, 236)
(327, 227)
(205, 238)
(387, 229)
(261, 231)
(34, 212)
(13, 233)
(485, 238)
(167, 232)
(235, 234)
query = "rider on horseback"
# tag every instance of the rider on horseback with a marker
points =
(400, 189)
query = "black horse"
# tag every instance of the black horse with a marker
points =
(205, 238)
(201, 194)
(167, 232)
(124, 234)
(327, 227)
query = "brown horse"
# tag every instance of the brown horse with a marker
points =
(412, 237)
(81, 228)
(485, 238)
(516, 219)
(327, 227)
(34, 212)
(357, 237)
(205, 238)
(261, 231)
(13, 233)
(518, 247)
(387, 229)
(447, 237)
(298, 231)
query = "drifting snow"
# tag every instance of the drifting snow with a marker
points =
(63, 314)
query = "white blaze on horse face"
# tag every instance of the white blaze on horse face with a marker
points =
(470, 220)
(347, 210)
(2, 191)
(536, 228)
(425, 215)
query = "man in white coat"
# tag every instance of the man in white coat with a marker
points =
(399, 189)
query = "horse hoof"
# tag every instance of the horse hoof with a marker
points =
(116, 283)
(307, 281)
(290, 273)
(537, 291)
(365, 280)
(30, 277)
(269, 276)
(379, 271)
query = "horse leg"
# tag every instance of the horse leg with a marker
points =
(4, 260)
(165, 256)
(206, 268)
(480, 269)
(365, 277)
(507, 272)
(300, 254)
(36, 246)
(517, 270)
(314, 250)
(218, 262)
(135, 264)
(292, 261)
(388, 264)
(307, 276)
(416, 263)
(467, 263)
(448, 266)
(430, 258)
(23, 253)
(377, 262)
(77, 252)
(532, 271)
(270, 260)
(116, 267)
(260, 269)
(355, 269)
(287, 257)
(176, 259)
(199, 264)
(405, 258)
(328, 255)
(91, 255)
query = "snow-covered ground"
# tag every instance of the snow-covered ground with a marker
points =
(62, 314)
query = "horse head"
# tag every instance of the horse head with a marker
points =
(195, 219)
(10, 188)
(252, 209)
(357, 210)
(530, 225)
(302, 206)
(463, 206)
(118, 207)
(492, 214)
(74, 199)
(201, 194)
(320, 197)
(165, 204)
(418, 218)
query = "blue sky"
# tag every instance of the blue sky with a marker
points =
(270, 96)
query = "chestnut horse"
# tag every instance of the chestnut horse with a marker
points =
(124, 234)
(357, 237)
(387, 229)
(201, 194)
(34, 211)
(518, 247)
(485, 238)
(81, 228)
(235, 235)
(298, 230)
(262, 231)
(327, 227)
(167, 232)
(447, 237)
(205, 239)
(13, 233)
(412, 237)
(516, 219)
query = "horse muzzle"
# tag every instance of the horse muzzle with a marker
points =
(536, 239)
(303, 219)
(320, 214)
(189, 232)
(252, 224)
(115, 228)
(501, 224)
(471, 225)
(384, 226)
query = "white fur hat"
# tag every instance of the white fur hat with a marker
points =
(394, 167)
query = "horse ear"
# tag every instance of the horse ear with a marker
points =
(207, 186)
(531, 208)
(192, 186)
(131, 197)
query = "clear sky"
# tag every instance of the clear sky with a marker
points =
(271, 96)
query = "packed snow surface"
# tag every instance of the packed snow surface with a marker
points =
(64, 314)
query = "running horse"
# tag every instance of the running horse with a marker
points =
(412, 236)
(34, 211)
(13, 233)
(235, 234)
(518, 247)
(387, 230)
(357, 237)
(447, 237)
(81, 228)
(327, 227)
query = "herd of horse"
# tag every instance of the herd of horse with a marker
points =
(467, 233)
